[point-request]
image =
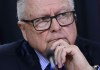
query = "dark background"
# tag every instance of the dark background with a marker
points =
(88, 24)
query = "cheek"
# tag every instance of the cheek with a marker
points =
(71, 33)
(38, 41)
(41, 42)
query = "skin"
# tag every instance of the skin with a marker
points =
(42, 40)
(60, 39)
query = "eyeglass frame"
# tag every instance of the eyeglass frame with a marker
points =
(51, 17)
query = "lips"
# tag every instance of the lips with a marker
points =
(55, 39)
(50, 42)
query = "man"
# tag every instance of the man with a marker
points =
(46, 25)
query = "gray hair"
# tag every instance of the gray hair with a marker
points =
(71, 3)
(21, 8)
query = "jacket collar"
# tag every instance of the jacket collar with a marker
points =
(29, 57)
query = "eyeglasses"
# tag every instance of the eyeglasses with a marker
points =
(44, 23)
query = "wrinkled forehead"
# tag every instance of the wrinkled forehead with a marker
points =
(45, 2)
(38, 7)
(42, 3)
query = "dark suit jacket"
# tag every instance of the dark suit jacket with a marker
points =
(20, 56)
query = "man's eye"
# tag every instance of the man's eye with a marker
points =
(45, 19)
(37, 20)
(66, 14)
(63, 14)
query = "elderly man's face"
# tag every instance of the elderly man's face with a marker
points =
(41, 40)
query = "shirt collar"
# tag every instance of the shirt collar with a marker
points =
(43, 61)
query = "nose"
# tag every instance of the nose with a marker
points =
(55, 26)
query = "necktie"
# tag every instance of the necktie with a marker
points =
(48, 67)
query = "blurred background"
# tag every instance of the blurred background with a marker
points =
(88, 24)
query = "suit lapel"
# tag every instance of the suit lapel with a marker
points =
(29, 56)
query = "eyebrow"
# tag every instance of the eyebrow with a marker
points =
(63, 9)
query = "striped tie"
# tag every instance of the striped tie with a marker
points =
(48, 67)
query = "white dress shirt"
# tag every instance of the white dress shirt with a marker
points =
(43, 61)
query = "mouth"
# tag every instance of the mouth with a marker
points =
(54, 40)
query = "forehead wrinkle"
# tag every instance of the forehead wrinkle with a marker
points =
(61, 8)
(62, 4)
(52, 2)
(33, 6)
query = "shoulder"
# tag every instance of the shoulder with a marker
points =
(86, 42)
(10, 56)
(88, 45)
(10, 47)
(90, 49)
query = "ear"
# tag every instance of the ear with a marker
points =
(21, 25)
